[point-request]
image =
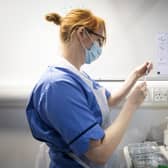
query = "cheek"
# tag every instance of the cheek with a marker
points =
(88, 43)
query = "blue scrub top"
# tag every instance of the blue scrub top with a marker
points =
(63, 112)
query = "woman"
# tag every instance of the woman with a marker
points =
(68, 110)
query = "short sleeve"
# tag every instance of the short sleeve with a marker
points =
(96, 85)
(108, 94)
(68, 112)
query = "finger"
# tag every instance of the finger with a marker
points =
(143, 66)
(143, 84)
(145, 93)
(146, 64)
(144, 89)
(149, 66)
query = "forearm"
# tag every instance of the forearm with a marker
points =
(118, 95)
(127, 85)
(113, 136)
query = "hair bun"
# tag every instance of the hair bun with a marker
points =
(53, 17)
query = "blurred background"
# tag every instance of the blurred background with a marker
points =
(28, 44)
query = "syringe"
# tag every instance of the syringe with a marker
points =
(146, 73)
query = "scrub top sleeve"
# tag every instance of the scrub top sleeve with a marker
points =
(108, 94)
(97, 85)
(68, 112)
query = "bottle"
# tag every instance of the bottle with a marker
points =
(162, 166)
(165, 139)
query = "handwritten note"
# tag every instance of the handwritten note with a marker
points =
(162, 54)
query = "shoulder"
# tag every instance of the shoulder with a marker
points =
(56, 78)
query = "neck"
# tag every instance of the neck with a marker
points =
(72, 54)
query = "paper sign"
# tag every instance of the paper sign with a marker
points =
(162, 54)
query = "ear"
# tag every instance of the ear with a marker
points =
(81, 34)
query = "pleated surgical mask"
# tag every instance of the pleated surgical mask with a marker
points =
(92, 53)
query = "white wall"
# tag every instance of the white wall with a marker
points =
(29, 43)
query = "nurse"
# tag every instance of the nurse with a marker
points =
(68, 110)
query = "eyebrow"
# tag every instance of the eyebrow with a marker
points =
(90, 31)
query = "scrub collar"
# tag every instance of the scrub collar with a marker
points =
(62, 62)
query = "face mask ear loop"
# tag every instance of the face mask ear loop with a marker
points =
(89, 36)
(83, 46)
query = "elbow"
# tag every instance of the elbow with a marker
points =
(97, 153)
(98, 159)
(101, 161)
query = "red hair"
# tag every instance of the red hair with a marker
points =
(74, 19)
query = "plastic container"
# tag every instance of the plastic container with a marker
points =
(165, 139)
(145, 155)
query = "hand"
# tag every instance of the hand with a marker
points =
(137, 95)
(141, 70)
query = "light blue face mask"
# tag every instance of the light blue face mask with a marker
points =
(93, 53)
